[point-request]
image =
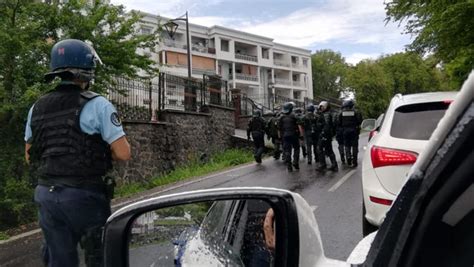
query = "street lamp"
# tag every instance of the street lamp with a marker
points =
(171, 27)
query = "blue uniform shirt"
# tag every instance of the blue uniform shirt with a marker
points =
(98, 116)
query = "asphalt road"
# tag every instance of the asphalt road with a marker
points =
(335, 198)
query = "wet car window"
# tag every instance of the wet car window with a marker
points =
(417, 121)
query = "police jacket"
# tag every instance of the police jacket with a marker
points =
(288, 125)
(326, 124)
(310, 123)
(272, 127)
(61, 153)
(350, 118)
(256, 124)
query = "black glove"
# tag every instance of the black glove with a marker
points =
(248, 137)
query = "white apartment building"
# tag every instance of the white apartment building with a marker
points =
(254, 64)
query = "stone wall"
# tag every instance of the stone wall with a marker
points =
(159, 147)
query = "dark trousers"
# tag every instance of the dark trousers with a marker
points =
(311, 145)
(277, 147)
(291, 143)
(67, 215)
(325, 150)
(340, 143)
(351, 144)
(258, 143)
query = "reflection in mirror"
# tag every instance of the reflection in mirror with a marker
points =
(239, 232)
(368, 125)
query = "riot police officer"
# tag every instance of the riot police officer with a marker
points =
(311, 132)
(350, 120)
(256, 127)
(272, 134)
(299, 116)
(325, 123)
(339, 137)
(72, 135)
(289, 131)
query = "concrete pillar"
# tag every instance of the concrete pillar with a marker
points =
(233, 74)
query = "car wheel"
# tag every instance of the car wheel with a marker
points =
(367, 227)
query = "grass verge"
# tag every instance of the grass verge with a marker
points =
(219, 161)
(4, 236)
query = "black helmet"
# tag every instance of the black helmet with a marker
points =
(257, 113)
(323, 106)
(310, 108)
(348, 103)
(72, 58)
(287, 108)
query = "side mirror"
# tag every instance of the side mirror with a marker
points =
(368, 125)
(229, 227)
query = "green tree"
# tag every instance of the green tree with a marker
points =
(372, 87)
(329, 73)
(28, 29)
(444, 28)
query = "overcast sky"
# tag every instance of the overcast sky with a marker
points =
(356, 28)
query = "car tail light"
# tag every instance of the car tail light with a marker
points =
(382, 201)
(448, 101)
(382, 156)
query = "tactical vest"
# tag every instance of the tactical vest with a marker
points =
(61, 153)
(257, 125)
(288, 125)
(310, 123)
(272, 127)
(348, 118)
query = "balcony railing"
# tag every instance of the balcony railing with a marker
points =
(298, 83)
(279, 62)
(246, 57)
(203, 49)
(175, 44)
(204, 71)
(282, 81)
(244, 77)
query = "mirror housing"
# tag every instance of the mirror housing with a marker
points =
(297, 234)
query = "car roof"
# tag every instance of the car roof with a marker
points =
(423, 97)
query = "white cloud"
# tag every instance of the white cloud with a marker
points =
(357, 57)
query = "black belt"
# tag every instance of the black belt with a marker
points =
(96, 186)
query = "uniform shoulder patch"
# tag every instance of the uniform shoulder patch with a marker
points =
(115, 119)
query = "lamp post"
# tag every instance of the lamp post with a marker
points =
(171, 26)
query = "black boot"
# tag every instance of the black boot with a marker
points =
(290, 168)
(296, 165)
(321, 167)
(334, 166)
(343, 160)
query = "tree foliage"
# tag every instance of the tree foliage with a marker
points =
(28, 30)
(445, 28)
(329, 73)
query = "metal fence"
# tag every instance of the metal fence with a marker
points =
(142, 100)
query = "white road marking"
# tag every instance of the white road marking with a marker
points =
(341, 181)
(314, 207)
(13, 238)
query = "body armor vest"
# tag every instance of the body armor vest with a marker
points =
(288, 125)
(348, 118)
(61, 152)
(257, 125)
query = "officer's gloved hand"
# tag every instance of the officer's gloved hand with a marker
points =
(248, 137)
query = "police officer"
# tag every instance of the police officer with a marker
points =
(325, 123)
(272, 134)
(339, 137)
(350, 120)
(256, 127)
(289, 131)
(299, 116)
(311, 132)
(72, 135)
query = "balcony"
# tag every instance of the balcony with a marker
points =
(279, 62)
(203, 49)
(296, 66)
(246, 57)
(244, 77)
(175, 44)
(204, 71)
(282, 81)
(298, 84)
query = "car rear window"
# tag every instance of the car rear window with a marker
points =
(417, 121)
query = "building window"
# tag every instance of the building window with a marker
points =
(296, 94)
(224, 45)
(145, 30)
(305, 62)
(265, 53)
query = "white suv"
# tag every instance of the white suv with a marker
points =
(399, 139)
